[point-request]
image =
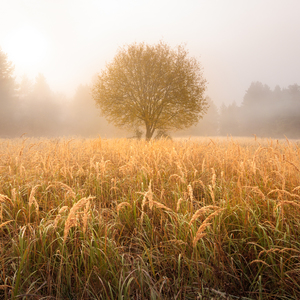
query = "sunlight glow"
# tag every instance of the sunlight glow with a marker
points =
(26, 47)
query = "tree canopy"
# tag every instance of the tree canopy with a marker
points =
(153, 86)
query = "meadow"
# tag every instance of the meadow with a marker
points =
(126, 219)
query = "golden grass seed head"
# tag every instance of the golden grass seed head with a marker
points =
(190, 191)
(121, 205)
(178, 204)
(32, 199)
(200, 234)
(72, 220)
(86, 215)
(161, 206)
(201, 212)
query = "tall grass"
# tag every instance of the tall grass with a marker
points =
(126, 219)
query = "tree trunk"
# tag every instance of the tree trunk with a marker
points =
(149, 133)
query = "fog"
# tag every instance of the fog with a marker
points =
(57, 47)
(37, 111)
(40, 112)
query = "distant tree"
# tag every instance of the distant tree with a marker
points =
(8, 99)
(294, 91)
(7, 81)
(257, 93)
(25, 88)
(230, 120)
(152, 86)
(290, 111)
(271, 113)
(256, 109)
(41, 108)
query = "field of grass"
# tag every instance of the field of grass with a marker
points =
(128, 219)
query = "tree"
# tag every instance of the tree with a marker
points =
(8, 97)
(7, 81)
(152, 86)
(41, 108)
(255, 109)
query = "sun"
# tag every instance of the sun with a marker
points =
(26, 47)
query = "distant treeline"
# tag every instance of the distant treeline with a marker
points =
(263, 112)
(32, 108)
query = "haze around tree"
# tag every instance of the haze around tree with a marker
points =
(32, 108)
(153, 87)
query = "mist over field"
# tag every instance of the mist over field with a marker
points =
(39, 111)
(248, 52)
(149, 149)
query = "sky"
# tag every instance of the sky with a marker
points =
(236, 41)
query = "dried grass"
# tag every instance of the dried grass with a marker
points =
(255, 180)
(69, 190)
(58, 217)
(121, 205)
(178, 204)
(284, 192)
(204, 225)
(161, 206)
(201, 212)
(32, 199)
(4, 198)
(72, 217)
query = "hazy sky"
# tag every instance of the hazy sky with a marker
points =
(236, 41)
